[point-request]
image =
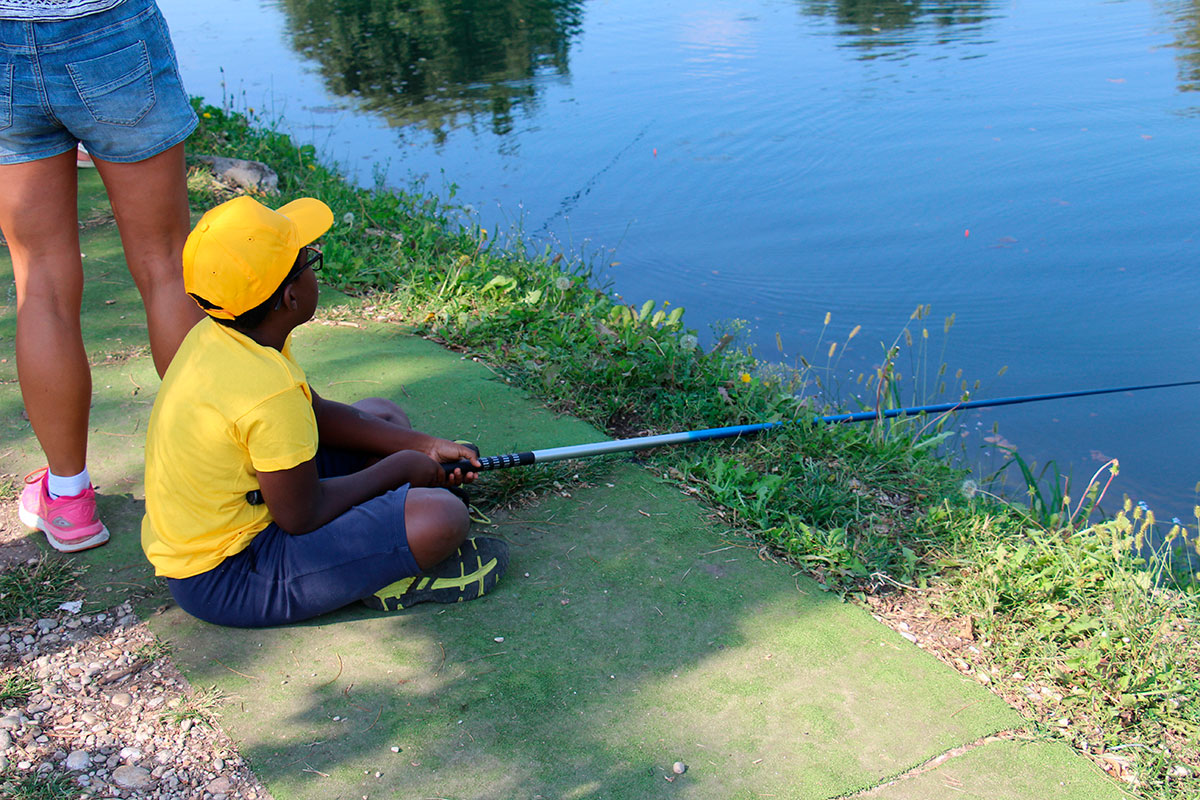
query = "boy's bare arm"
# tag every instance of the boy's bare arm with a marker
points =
(344, 426)
(300, 502)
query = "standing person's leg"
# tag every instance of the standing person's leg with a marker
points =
(38, 215)
(150, 203)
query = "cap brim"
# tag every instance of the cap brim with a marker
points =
(310, 216)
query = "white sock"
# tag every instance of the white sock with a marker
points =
(58, 486)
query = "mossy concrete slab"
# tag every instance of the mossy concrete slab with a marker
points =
(628, 635)
(1007, 770)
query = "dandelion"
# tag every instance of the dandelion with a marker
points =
(688, 341)
(207, 115)
(969, 488)
(563, 283)
(348, 218)
(746, 377)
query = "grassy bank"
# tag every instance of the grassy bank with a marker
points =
(1065, 615)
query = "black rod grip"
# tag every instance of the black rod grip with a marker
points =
(491, 462)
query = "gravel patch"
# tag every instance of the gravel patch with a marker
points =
(112, 713)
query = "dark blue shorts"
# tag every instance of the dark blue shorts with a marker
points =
(108, 79)
(281, 578)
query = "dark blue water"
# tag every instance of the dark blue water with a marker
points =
(1031, 167)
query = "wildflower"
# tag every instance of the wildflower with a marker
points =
(348, 218)
(207, 115)
(746, 377)
(563, 283)
(688, 341)
(969, 488)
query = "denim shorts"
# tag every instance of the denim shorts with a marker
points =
(281, 578)
(109, 80)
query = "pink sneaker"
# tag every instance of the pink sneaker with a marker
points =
(70, 523)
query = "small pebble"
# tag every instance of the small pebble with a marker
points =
(679, 768)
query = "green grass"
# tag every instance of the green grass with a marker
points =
(1055, 589)
(200, 706)
(17, 686)
(39, 786)
(37, 589)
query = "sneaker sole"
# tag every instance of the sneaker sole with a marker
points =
(34, 522)
(409, 592)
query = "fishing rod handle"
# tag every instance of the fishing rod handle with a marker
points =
(491, 462)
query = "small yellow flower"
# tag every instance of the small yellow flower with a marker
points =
(746, 377)
(207, 115)
(312, 167)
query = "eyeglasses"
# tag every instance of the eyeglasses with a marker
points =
(308, 257)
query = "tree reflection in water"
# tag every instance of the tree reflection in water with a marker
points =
(436, 64)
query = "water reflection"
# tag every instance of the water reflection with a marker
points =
(436, 64)
(891, 28)
(1186, 26)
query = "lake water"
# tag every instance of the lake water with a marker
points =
(1031, 167)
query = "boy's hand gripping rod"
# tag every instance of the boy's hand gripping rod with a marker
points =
(645, 442)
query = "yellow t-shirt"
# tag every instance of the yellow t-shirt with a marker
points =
(227, 408)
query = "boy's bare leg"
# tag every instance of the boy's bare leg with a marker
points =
(39, 217)
(150, 203)
(436, 522)
(384, 409)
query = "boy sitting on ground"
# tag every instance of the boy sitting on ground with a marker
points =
(266, 503)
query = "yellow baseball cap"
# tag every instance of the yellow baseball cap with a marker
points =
(240, 251)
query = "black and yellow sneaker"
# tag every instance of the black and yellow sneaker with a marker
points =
(469, 573)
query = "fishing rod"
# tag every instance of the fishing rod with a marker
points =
(645, 442)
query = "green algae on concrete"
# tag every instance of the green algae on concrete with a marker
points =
(627, 636)
(1006, 770)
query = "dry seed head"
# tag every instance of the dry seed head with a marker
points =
(854, 332)
(828, 316)
(832, 347)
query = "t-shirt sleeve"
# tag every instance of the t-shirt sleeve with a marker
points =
(281, 431)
